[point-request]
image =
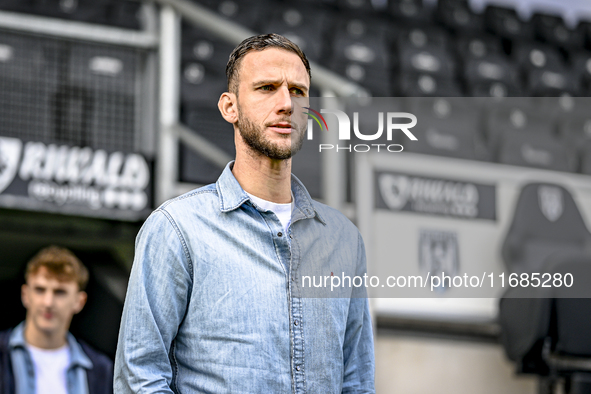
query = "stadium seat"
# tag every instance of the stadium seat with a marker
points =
(97, 104)
(422, 36)
(198, 45)
(209, 124)
(244, 12)
(28, 84)
(458, 16)
(16, 5)
(471, 46)
(425, 85)
(553, 82)
(448, 127)
(124, 13)
(534, 56)
(505, 23)
(547, 235)
(553, 30)
(582, 71)
(200, 84)
(410, 10)
(514, 116)
(531, 149)
(304, 25)
(362, 58)
(93, 11)
(427, 60)
(367, 6)
(490, 69)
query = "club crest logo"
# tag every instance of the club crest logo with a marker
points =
(438, 252)
(551, 202)
(10, 154)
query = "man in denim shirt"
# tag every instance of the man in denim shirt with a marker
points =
(216, 302)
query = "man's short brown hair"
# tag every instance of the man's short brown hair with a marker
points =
(61, 264)
(258, 43)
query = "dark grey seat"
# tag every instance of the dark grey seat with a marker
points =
(540, 324)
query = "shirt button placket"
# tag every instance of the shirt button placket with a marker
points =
(298, 344)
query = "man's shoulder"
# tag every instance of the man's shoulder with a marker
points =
(100, 361)
(4, 338)
(200, 200)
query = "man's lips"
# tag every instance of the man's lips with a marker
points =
(47, 315)
(282, 127)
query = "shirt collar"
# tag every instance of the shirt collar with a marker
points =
(77, 355)
(232, 195)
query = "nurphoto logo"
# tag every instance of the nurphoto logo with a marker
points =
(393, 124)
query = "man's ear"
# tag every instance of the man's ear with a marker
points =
(228, 106)
(82, 297)
(25, 296)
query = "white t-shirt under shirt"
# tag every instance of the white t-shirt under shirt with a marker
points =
(51, 367)
(283, 211)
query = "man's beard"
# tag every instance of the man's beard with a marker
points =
(257, 140)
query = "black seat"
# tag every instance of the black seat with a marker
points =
(97, 105)
(535, 56)
(492, 75)
(553, 82)
(197, 45)
(516, 115)
(17, 5)
(359, 53)
(470, 46)
(505, 23)
(422, 36)
(201, 84)
(582, 70)
(425, 85)
(553, 30)
(410, 10)
(244, 12)
(448, 127)
(546, 220)
(547, 231)
(535, 150)
(427, 60)
(28, 84)
(302, 24)
(124, 13)
(458, 16)
(80, 10)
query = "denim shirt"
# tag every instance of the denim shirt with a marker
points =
(24, 370)
(215, 304)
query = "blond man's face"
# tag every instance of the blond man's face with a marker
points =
(50, 303)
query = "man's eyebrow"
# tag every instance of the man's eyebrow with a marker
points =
(266, 82)
(277, 82)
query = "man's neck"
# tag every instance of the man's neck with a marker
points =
(264, 177)
(42, 340)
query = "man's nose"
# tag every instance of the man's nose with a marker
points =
(48, 299)
(284, 101)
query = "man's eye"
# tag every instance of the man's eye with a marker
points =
(297, 91)
(266, 87)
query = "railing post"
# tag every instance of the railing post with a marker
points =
(169, 51)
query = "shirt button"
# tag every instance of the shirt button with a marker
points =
(298, 368)
(295, 323)
(280, 234)
(290, 237)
